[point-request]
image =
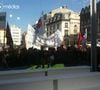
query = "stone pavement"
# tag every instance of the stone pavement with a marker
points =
(70, 78)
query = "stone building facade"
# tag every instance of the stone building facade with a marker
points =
(85, 21)
(65, 20)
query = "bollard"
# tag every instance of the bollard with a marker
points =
(46, 73)
(55, 84)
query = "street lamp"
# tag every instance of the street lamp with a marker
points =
(93, 35)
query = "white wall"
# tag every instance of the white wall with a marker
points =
(16, 35)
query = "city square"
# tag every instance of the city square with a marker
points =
(57, 46)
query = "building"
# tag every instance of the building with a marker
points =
(65, 20)
(2, 29)
(85, 22)
(23, 43)
(16, 35)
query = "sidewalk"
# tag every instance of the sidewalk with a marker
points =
(70, 78)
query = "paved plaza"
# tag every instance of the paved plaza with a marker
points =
(69, 78)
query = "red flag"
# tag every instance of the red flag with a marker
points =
(39, 24)
(80, 37)
(40, 27)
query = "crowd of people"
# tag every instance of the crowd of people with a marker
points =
(23, 57)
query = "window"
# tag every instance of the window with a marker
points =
(75, 29)
(57, 26)
(66, 25)
(47, 34)
(53, 27)
(50, 32)
(66, 32)
(2, 18)
(58, 17)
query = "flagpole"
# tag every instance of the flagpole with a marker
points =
(93, 36)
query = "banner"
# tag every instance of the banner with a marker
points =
(30, 36)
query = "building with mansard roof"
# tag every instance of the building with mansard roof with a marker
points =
(65, 20)
(85, 22)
